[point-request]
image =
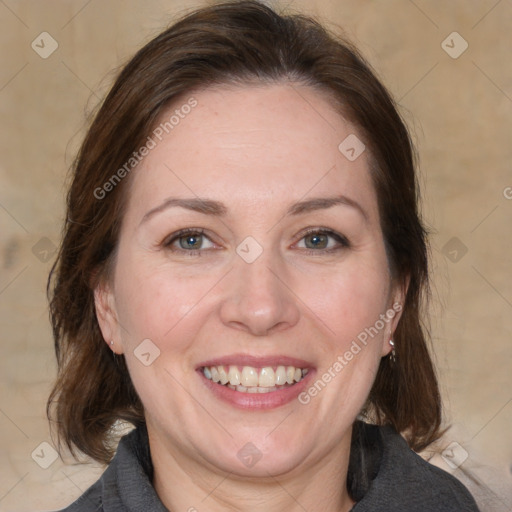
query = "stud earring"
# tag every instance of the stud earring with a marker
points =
(114, 352)
(393, 353)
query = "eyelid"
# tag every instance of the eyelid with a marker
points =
(326, 231)
(342, 241)
(173, 237)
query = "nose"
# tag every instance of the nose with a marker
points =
(257, 298)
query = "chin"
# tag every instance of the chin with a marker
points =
(262, 457)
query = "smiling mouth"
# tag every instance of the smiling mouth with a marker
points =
(249, 379)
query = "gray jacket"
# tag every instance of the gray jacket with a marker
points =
(397, 479)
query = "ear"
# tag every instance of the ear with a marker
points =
(106, 314)
(394, 312)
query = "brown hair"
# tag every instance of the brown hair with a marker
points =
(235, 42)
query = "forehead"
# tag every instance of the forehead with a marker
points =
(261, 146)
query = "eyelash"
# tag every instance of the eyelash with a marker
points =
(342, 241)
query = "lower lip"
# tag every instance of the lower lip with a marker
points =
(269, 400)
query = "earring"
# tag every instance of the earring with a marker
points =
(393, 353)
(114, 352)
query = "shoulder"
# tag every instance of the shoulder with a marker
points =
(105, 490)
(90, 501)
(405, 481)
(126, 483)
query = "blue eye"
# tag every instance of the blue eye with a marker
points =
(322, 241)
(192, 242)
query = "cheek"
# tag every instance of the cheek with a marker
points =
(350, 300)
(152, 302)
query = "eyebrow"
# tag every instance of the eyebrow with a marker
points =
(216, 208)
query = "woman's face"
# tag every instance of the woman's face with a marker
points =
(282, 277)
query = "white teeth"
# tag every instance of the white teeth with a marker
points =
(249, 376)
(215, 374)
(234, 375)
(267, 378)
(223, 376)
(254, 380)
(280, 376)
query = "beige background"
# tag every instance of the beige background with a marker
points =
(460, 112)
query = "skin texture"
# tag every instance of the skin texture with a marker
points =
(257, 149)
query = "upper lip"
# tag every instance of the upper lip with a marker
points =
(256, 361)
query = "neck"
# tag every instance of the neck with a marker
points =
(183, 483)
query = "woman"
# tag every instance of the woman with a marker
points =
(241, 279)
